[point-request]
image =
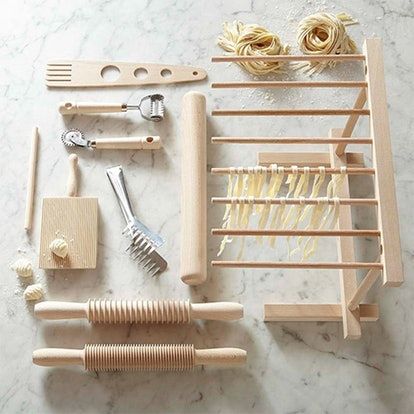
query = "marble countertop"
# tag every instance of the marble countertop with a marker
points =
(292, 367)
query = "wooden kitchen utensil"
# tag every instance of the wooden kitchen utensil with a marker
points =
(193, 190)
(72, 73)
(135, 357)
(139, 311)
(74, 219)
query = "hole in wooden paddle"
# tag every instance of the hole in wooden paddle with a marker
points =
(166, 73)
(110, 73)
(141, 73)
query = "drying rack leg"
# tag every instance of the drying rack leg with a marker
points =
(348, 279)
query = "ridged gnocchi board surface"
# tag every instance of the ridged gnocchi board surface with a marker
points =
(76, 220)
(77, 74)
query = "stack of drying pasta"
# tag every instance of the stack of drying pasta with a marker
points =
(261, 182)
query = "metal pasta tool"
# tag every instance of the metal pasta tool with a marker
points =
(75, 137)
(143, 241)
(151, 107)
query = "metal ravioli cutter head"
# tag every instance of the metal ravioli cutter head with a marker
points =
(74, 137)
(154, 110)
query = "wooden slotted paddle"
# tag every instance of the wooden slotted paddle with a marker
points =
(74, 219)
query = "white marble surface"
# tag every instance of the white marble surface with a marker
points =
(292, 368)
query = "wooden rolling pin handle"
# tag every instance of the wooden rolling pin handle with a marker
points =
(137, 143)
(72, 184)
(193, 190)
(218, 311)
(70, 108)
(60, 310)
(220, 356)
(52, 357)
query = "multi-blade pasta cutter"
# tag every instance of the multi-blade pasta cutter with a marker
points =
(143, 241)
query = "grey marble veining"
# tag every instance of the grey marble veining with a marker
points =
(292, 367)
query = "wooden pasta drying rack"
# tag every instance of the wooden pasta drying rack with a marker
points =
(371, 102)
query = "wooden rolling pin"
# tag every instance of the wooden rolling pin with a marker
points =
(139, 357)
(193, 190)
(137, 311)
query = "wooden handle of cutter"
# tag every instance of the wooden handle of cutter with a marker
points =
(217, 311)
(70, 108)
(60, 310)
(220, 356)
(137, 143)
(51, 357)
(72, 184)
(193, 190)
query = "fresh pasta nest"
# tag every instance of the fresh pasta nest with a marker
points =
(324, 34)
(253, 40)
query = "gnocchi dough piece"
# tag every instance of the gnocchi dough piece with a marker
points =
(59, 247)
(34, 292)
(22, 267)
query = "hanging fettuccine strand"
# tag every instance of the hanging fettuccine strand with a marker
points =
(230, 224)
(316, 222)
(247, 212)
(272, 190)
(317, 184)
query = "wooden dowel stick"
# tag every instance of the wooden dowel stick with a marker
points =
(288, 112)
(327, 233)
(289, 170)
(363, 288)
(351, 122)
(285, 58)
(289, 84)
(295, 265)
(31, 179)
(289, 140)
(293, 201)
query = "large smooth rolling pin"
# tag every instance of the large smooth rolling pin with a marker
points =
(137, 311)
(139, 357)
(193, 190)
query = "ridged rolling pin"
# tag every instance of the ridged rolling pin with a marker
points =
(193, 190)
(139, 357)
(139, 311)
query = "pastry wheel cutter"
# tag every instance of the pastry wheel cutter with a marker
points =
(75, 137)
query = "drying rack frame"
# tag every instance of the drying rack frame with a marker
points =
(371, 101)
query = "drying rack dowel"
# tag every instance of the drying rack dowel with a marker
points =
(290, 140)
(288, 58)
(289, 112)
(289, 170)
(289, 84)
(309, 232)
(295, 265)
(294, 201)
